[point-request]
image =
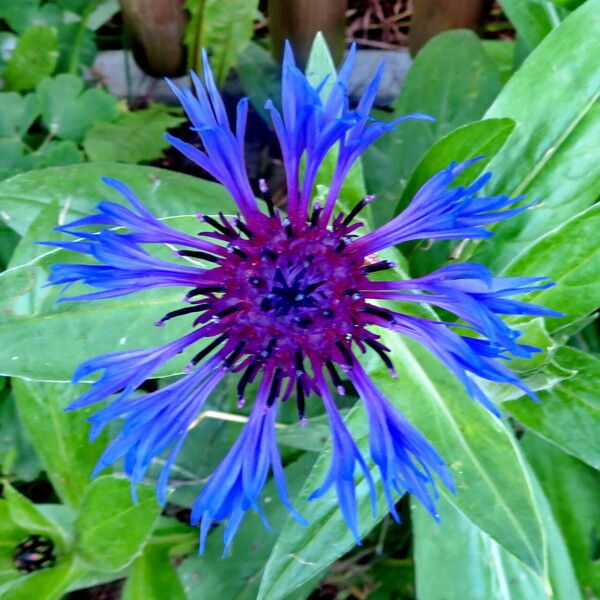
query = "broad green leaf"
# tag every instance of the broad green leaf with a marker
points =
(56, 153)
(238, 576)
(78, 189)
(568, 414)
(68, 111)
(452, 79)
(482, 138)
(153, 577)
(60, 438)
(223, 28)
(572, 489)
(493, 487)
(8, 241)
(533, 19)
(486, 569)
(10, 536)
(570, 4)
(28, 516)
(18, 113)
(23, 14)
(33, 59)
(46, 584)
(77, 47)
(570, 256)
(111, 528)
(134, 137)
(553, 152)
(503, 54)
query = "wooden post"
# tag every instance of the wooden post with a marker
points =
(299, 21)
(156, 28)
(431, 17)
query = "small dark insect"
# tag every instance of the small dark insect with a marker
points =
(33, 554)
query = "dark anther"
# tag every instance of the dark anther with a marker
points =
(256, 281)
(214, 223)
(182, 311)
(287, 226)
(266, 253)
(206, 351)
(335, 378)
(345, 353)
(236, 250)
(228, 311)
(382, 265)
(300, 398)
(275, 387)
(207, 289)
(327, 313)
(379, 348)
(242, 227)
(266, 305)
(246, 378)
(314, 218)
(266, 196)
(357, 209)
(198, 254)
(340, 247)
(231, 358)
(33, 554)
(378, 312)
(298, 361)
(302, 322)
(270, 347)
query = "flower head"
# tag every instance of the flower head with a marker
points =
(289, 302)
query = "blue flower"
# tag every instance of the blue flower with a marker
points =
(289, 302)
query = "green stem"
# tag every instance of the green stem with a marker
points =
(74, 60)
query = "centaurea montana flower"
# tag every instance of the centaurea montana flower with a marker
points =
(288, 302)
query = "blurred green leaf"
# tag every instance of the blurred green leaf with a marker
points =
(111, 529)
(33, 58)
(60, 438)
(570, 4)
(10, 536)
(452, 79)
(570, 256)
(75, 43)
(22, 14)
(28, 516)
(78, 189)
(553, 152)
(133, 137)
(503, 54)
(223, 27)
(18, 113)
(18, 459)
(68, 111)
(8, 241)
(568, 414)
(533, 19)
(153, 577)
(572, 489)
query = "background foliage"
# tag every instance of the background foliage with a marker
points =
(525, 521)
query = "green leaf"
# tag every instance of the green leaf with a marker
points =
(553, 152)
(18, 113)
(133, 137)
(223, 27)
(503, 54)
(533, 19)
(8, 241)
(237, 577)
(10, 536)
(28, 517)
(60, 438)
(68, 111)
(568, 414)
(78, 189)
(46, 584)
(452, 79)
(570, 256)
(33, 59)
(55, 154)
(111, 528)
(153, 577)
(572, 489)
